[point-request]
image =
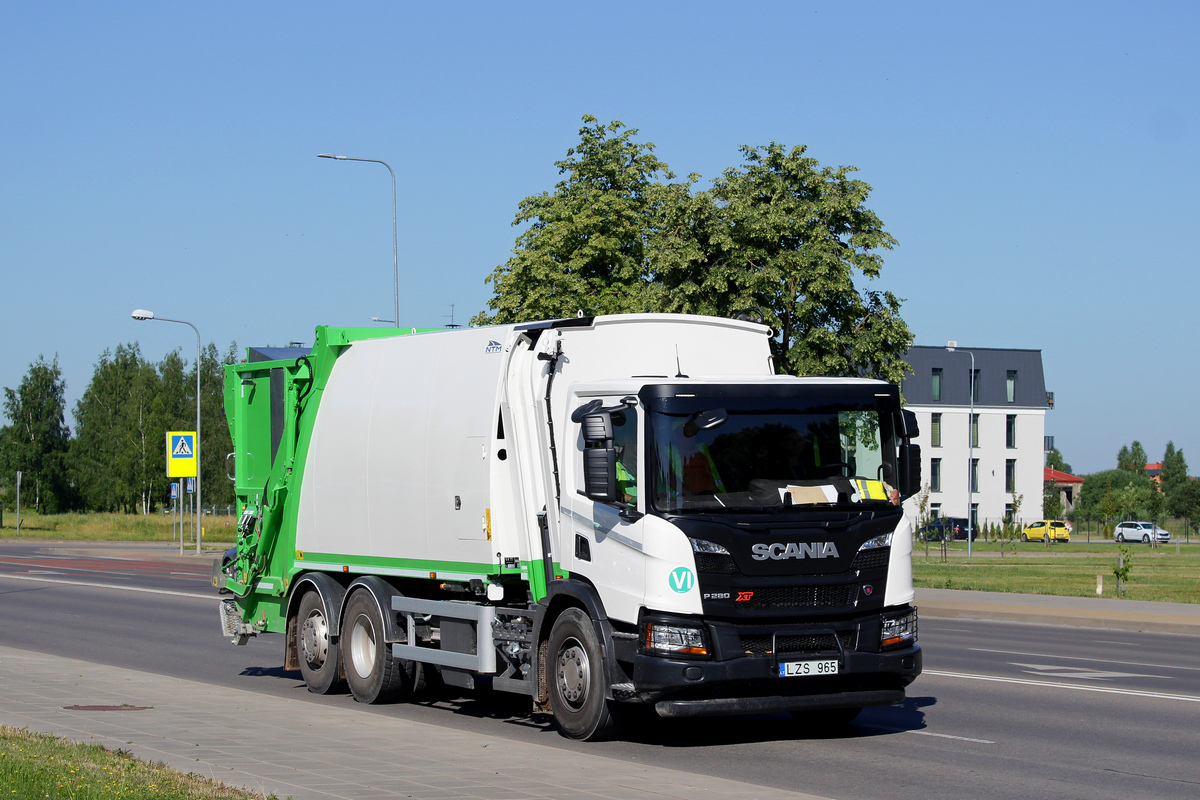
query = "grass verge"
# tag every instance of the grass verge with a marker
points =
(1156, 574)
(114, 527)
(37, 765)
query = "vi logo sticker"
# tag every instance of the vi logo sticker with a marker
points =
(681, 580)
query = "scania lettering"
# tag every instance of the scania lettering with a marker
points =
(598, 513)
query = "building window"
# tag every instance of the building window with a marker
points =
(1008, 513)
(974, 474)
(935, 475)
(1010, 430)
(935, 430)
(1010, 475)
(936, 384)
(975, 516)
(1011, 386)
(935, 510)
(974, 430)
(975, 385)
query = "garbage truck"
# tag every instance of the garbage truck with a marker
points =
(608, 514)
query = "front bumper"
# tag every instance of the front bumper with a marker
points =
(742, 682)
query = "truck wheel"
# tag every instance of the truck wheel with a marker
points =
(373, 674)
(318, 658)
(575, 678)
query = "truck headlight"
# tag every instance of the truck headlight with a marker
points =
(883, 540)
(679, 640)
(705, 546)
(898, 631)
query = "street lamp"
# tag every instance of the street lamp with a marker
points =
(395, 251)
(951, 347)
(143, 314)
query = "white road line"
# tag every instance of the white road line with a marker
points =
(928, 733)
(109, 586)
(1082, 658)
(1054, 685)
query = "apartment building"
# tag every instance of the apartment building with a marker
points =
(993, 438)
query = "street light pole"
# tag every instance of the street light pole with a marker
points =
(142, 314)
(395, 249)
(951, 347)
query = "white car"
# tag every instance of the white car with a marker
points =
(1140, 532)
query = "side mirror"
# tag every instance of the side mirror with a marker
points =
(910, 470)
(600, 474)
(911, 429)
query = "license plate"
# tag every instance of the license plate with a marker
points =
(793, 669)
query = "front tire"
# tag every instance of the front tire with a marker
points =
(373, 674)
(1145, 538)
(575, 678)
(1046, 538)
(317, 656)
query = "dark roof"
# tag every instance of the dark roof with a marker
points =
(992, 365)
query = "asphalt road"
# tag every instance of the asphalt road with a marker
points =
(1003, 710)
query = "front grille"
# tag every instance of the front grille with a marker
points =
(802, 596)
(872, 559)
(713, 563)
(761, 643)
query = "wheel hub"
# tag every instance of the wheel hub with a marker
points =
(314, 640)
(362, 646)
(573, 673)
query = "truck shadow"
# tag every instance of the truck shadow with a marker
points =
(709, 731)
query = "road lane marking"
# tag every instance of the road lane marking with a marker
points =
(1059, 671)
(108, 586)
(1082, 658)
(927, 733)
(1054, 685)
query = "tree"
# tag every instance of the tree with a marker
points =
(1104, 494)
(1054, 460)
(1132, 458)
(37, 440)
(1052, 504)
(584, 249)
(780, 239)
(121, 420)
(1184, 502)
(1174, 470)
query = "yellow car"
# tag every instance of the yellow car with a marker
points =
(1046, 530)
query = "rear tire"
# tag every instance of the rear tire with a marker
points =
(1120, 537)
(1024, 537)
(317, 656)
(373, 674)
(575, 678)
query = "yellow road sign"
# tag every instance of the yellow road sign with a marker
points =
(181, 454)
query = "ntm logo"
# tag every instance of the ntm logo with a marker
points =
(681, 580)
(493, 347)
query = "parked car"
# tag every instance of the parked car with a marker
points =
(1046, 530)
(1141, 532)
(947, 528)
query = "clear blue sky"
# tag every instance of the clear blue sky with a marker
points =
(1037, 162)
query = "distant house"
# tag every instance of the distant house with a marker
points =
(1000, 449)
(1154, 473)
(1068, 486)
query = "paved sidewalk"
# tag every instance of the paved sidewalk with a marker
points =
(316, 752)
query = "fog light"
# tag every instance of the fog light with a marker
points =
(674, 640)
(899, 630)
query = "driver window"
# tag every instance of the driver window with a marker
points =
(625, 437)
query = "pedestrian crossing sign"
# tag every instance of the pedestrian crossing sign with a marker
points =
(181, 454)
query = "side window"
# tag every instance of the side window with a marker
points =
(625, 440)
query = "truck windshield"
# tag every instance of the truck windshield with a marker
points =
(728, 454)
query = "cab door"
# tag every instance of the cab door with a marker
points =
(607, 536)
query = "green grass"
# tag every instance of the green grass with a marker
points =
(113, 527)
(1067, 569)
(36, 765)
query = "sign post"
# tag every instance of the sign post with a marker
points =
(181, 463)
(18, 502)
(174, 507)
